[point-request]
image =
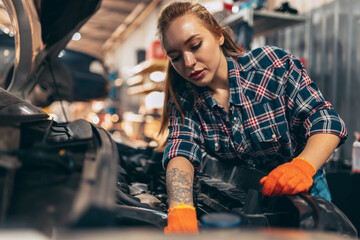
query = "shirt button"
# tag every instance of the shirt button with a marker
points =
(241, 149)
(216, 144)
(235, 118)
(273, 136)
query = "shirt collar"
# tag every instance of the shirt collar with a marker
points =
(234, 74)
(205, 95)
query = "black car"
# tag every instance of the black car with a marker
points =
(75, 175)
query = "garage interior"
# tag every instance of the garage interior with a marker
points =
(110, 72)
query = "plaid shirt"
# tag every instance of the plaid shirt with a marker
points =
(274, 107)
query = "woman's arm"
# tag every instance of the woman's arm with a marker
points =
(179, 182)
(319, 148)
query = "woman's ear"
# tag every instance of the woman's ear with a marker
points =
(221, 40)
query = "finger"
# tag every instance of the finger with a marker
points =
(281, 183)
(290, 186)
(263, 180)
(270, 184)
(268, 188)
(279, 171)
(300, 188)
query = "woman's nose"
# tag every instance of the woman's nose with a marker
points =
(189, 59)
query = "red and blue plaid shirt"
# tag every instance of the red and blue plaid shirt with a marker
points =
(274, 107)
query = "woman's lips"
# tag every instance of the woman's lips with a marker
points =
(196, 74)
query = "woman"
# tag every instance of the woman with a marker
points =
(238, 106)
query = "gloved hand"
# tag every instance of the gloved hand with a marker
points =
(182, 219)
(289, 178)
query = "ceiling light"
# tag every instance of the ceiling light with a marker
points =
(157, 76)
(214, 6)
(95, 119)
(115, 118)
(97, 106)
(118, 82)
(235, 9)
(6, 52)
(154, 100)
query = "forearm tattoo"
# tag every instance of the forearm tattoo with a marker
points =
(179, 186)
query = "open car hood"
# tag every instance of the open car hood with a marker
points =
(42, 28)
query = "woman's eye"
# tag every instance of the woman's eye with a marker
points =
(196, 46)
(175, 59)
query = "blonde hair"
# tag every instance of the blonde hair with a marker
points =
(167, 16)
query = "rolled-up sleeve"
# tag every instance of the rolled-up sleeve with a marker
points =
(309, 107)
(184, 140)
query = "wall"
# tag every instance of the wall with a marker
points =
(330, 42)
(124, 56)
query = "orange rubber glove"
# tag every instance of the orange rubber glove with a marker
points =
(289, 178)
(182, 219)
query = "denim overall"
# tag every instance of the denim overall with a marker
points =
(320, 187)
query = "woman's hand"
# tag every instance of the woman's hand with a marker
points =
(289, 178)
(182, 219)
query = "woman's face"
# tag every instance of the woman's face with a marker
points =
(194, 51)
